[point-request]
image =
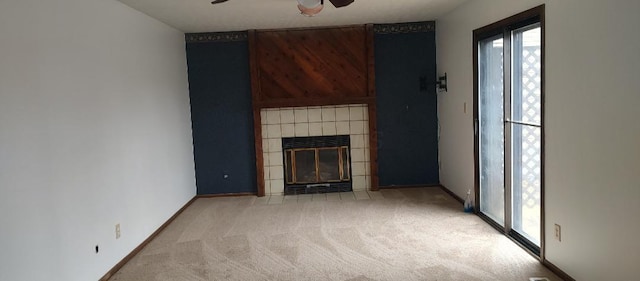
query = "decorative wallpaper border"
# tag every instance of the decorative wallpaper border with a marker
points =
(409, 27)
(391, 28)
(216, 37)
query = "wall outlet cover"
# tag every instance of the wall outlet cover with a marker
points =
(117, 231)
(558, 232)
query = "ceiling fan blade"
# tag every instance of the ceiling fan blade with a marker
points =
(341, 3)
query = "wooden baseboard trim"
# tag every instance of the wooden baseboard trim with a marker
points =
(144, 243)
(557, 271)
(227, 195)
(455, 196)
(407, 186)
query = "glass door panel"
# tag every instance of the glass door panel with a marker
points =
(329, 164)
(526, 182)
(525, 122)
(305, 166)
(491, 128)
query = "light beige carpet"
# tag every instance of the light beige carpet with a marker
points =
(404, 234)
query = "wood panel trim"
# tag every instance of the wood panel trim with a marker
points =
(144, 243)
(373, 147)
(239, 194)
(371, 108)
(408, 186)
(455, 196)
(557, 271)
(257, 119)
(275, 103)
(257, 130)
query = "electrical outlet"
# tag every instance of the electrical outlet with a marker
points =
(118, 231)
(558, 232)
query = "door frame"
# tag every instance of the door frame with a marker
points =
(522, 19)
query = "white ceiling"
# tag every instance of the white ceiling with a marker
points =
(237, 15)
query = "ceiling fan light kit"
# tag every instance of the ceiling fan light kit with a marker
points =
(310, 7)
(313, 7)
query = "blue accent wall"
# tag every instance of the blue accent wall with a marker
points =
(406, 115)
(222, 117)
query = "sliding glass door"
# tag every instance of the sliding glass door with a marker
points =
(492, 131)
(509, 128)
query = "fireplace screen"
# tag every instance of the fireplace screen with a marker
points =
(316, 164)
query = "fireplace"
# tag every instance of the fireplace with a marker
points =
(317, 164)
(348, 122)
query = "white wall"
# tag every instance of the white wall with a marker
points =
(592, 129)
(94, 130)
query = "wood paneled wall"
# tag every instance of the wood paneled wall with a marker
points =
(311, 66)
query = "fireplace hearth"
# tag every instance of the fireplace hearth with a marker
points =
(317, 164)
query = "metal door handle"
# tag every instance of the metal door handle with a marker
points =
(523, 123)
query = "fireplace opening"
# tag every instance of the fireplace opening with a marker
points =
(317, 164)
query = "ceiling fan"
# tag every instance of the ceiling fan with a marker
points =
(309, 7)
(312, 7)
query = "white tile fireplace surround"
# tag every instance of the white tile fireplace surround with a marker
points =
(311, 121)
